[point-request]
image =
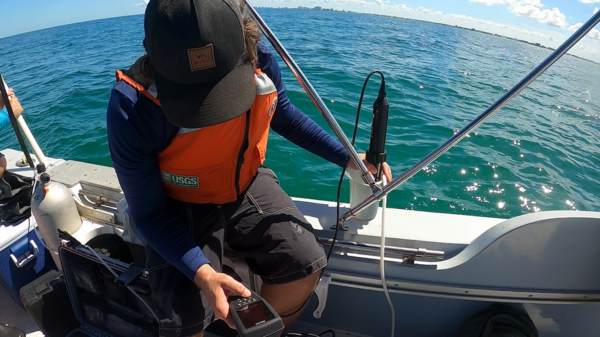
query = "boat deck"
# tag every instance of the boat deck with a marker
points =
(520, 262)
(16, 317)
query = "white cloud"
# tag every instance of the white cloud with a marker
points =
(538, 34)
(595, 10)
(532, 9)
(589, 1)
(326, 3)
(425, 10)
(466, 18)
(438, 13)
(489, 24)
(491, 2)
(592, 34)
(575, 27)
(401, 7)
(551, 17)
(142, 3)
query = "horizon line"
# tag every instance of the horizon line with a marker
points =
(535, 44)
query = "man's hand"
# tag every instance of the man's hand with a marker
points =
(10, 94)
(217, 287)
(14, 103)
(385, 168)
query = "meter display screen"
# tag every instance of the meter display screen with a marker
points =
(254, 314)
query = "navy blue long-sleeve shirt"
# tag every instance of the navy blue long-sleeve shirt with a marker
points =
(138, 131)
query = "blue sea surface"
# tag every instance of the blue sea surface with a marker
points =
(538, 153)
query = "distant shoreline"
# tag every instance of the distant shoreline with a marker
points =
(436, 23)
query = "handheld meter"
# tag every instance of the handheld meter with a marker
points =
(254, 317)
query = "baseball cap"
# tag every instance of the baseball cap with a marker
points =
(197, 52)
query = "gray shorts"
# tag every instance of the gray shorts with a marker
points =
(263, 226)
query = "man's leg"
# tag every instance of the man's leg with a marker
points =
(289, 299)
(2, 165)
(278, 243)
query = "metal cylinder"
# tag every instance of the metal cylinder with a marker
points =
(53, 208)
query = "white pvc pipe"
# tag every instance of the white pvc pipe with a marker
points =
(30, 139)
(32, 142)
(382, 260)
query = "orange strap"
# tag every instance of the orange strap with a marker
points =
(122, 77)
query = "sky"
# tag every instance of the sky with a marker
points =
(548, 22)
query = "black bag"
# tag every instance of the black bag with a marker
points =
(15, 197)
(47, 301)
(499, 321)
(102, 303)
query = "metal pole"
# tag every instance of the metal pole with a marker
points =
(13, 120)
(390, 251)
(366, 175)
(378, 195)
(30, 139)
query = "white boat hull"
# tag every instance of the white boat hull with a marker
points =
(543, 264)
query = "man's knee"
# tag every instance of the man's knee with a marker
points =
(310, 282)
(289, 299)
(305, 288)
(2, 165)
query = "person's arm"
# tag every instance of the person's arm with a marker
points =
(134, 144)
(16, 108)
(4, 119)
(10, 93)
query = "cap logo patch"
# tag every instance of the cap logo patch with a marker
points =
(202, 58)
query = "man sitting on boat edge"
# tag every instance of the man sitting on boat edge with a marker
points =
(5, 120)
(188, 128)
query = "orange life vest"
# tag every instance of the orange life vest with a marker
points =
(216, 164)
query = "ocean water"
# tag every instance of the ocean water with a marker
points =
(539, 153)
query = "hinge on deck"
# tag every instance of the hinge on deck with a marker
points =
(341, 226)
(321, 291)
